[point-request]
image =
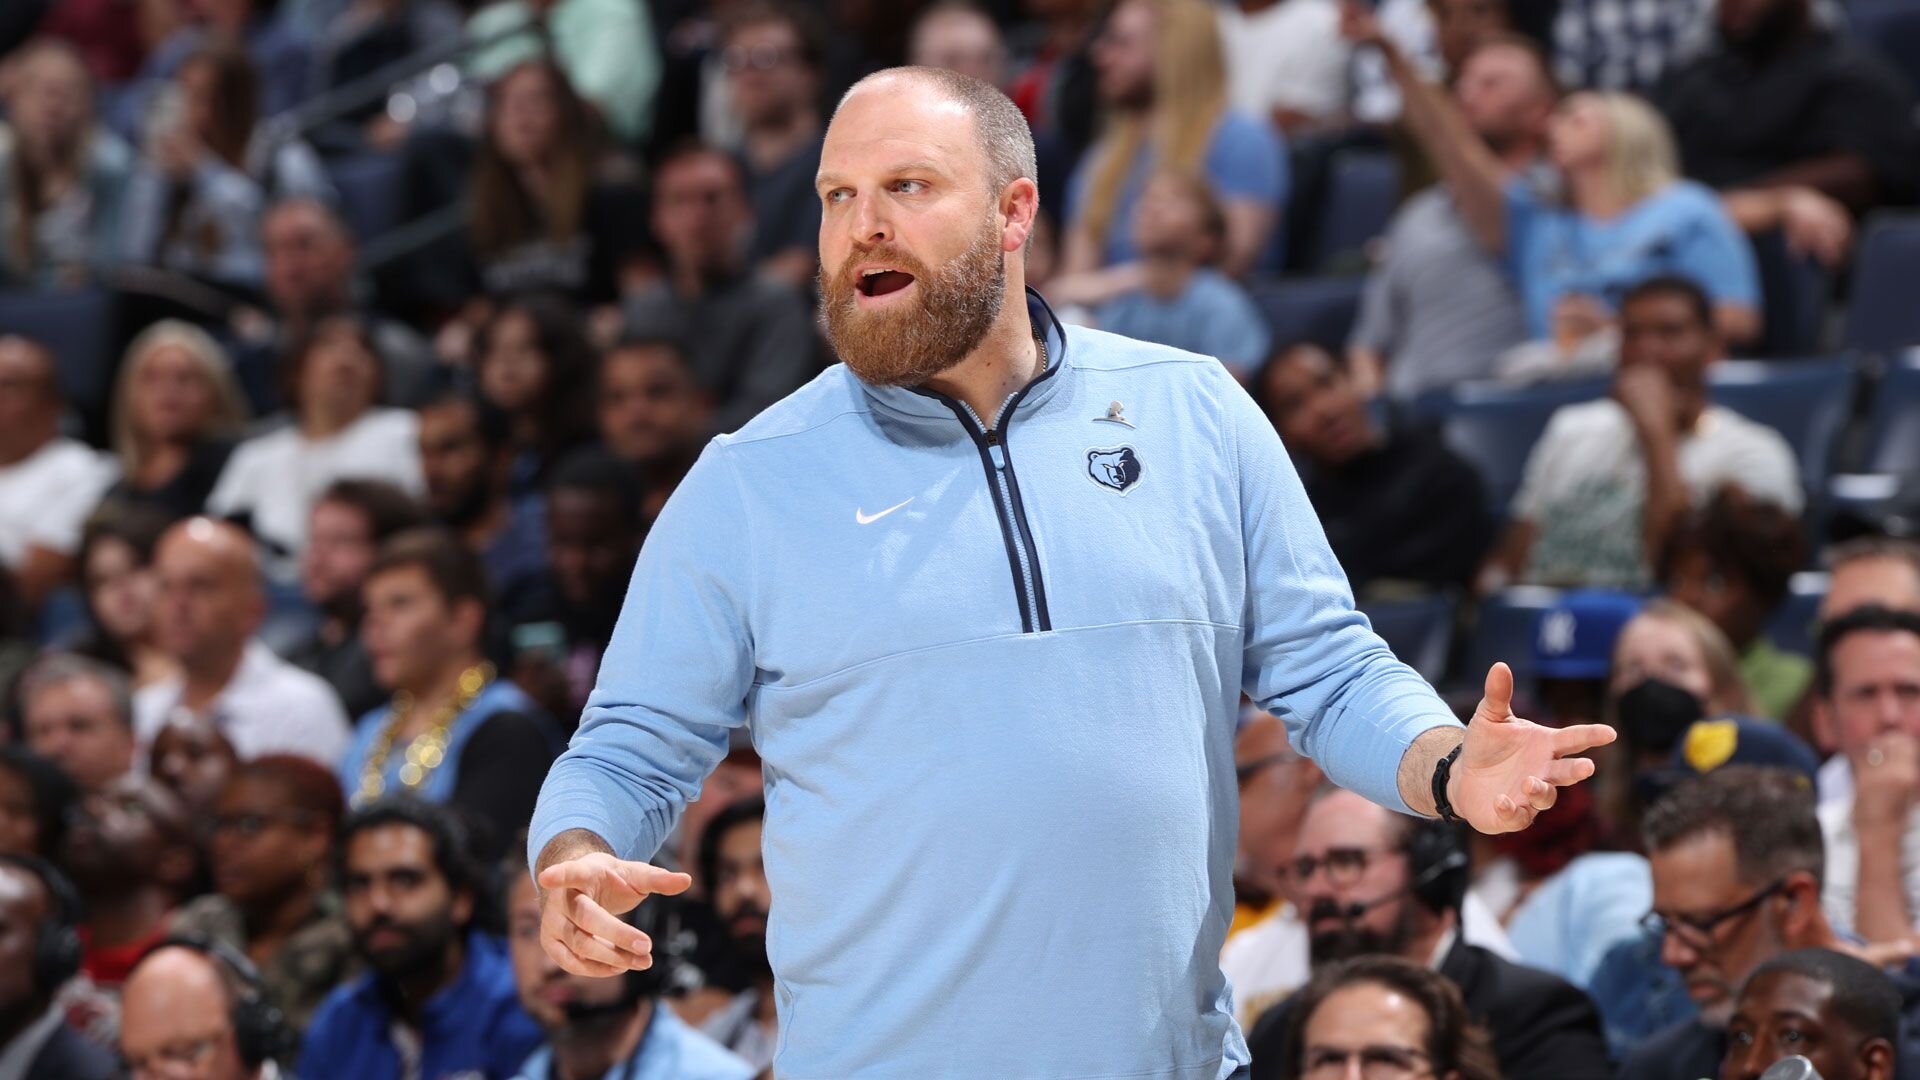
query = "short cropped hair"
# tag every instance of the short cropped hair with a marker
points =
(1768, 813)
(385, 506)
(1871, 618)
(454, 568)
(1673, 285)
(58, 669)
(445, 832)
(1863, 996)
(998, 124)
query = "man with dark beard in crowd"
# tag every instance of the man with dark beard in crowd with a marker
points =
(736, 884)
(439, 1000)
(1374, 882)
(349, 523)
(466, 455)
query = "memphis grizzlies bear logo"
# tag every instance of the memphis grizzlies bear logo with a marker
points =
(1115, 468)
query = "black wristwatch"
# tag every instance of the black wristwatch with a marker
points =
(1442, 808)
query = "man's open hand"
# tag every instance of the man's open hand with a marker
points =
(581, 902)
(1511, 769)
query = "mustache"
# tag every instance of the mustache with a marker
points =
(843, 280)
(1325, 908)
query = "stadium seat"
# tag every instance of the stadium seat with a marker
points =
(1882, 316)
(78, 325)
(1504, 632)
(1892, 29)
(1362, 188)
(1893, 432)
(1791, 628)
(1795, 290)
(1495, 427)
(370, 193)
(1805, 401)
(1309, 309)
(1419, 631)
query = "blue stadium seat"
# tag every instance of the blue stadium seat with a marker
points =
(1309, 309)
(1419, 631)
(1495, 427)
(78, 325)
(1791, 627)
(370, 193)
(1882, 316)
(1892, 29)
(1893, 432)
(1795, 290)
(1362, 188)
(1805, 401)
(1504, 631)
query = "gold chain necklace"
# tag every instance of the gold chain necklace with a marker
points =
(426, 752)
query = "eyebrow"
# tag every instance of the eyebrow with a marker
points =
(919, 165)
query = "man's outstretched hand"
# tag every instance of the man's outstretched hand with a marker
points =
(582, 900)
(1510, 769)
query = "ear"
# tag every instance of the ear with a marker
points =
(462, 907)
(1876, 1060)
(1802, 894)
(1825, 737)
(470, 616)
(1020, 206)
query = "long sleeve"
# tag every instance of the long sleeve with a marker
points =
(674, 682)
(1309, 657)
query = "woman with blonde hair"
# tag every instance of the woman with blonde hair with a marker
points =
(1622, 215)
(62, 175)
(177, 412)
(1162, 79)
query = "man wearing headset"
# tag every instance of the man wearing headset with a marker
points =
(194, 1009)
(39, 951)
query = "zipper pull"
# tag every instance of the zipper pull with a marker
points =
(999, 457)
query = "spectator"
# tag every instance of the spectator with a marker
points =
(1839, 1012)
(1609, 479)
(272, 862)
(190, 1002)
(1390, 1015)
(773, 56)
(453, 733)
(439, 999)
(616, 1026)
(111, 43)
(194, 202)
(121, 591)
(1438, 309)
(735, 880)
(1275, 784)
(654, 415)
(37, 801)
(337, 431)
(130, 853)
(959, 36)
(210, 606)
(362, 38)
(48, 482)
(350, 522)
(1054, 87)
(1671, 667)
(1871, 570)
(1737, 864)
(309, 256)
(1867, 704)
(61, 175)
(1731, 560)
(533, 363)
(747, 334)
(1783, 112)
(271, 44)
(39, 953)
(78, 714)
(1173, 296)
(1162, 80)
(1627, 216)
(1286, 62)
(192, 759)
(548, 209)
(1374, 883)
(1397, 504)
(466, 453)
(1624, 46)
(605, 47)
(177, 411)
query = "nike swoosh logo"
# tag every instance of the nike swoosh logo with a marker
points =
(865, 518)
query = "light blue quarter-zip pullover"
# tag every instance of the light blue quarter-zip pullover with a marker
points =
(993, 676)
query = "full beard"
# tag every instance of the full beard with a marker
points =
(912, 343)
(1350, 939)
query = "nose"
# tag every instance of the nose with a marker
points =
(868, 222)
(1677, 954)
(1745, 1062)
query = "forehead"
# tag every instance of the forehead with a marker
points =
(1885, 579)
(1367, 1014)
(741, 839)
(83, 690)
(1697, 874)
(1873, 655)
(23, 897)
(704, 169)
(1650, 634)
(1659, 307)
(643, 360)
(1501, 59)
(1343, 819)
(1775, 992)
(388, 847)
(254, 791)
(895, 122)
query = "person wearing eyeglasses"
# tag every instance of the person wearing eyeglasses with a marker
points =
(273, 832)
(773, 56)
(1385, 1018)
(1737, 861)
(1839, 1012)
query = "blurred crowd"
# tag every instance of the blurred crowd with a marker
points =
(348, 349)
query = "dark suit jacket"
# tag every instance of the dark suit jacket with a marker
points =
(1542, 1026)
(67, 1055)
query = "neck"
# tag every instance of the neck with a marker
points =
(1165, 277)
(778, 138)
(764, 1008)
(589, 1050)
(1424, 941)
(162, 462)
(271, 922)
(413, 991)
(207, 678)
(119, 915)
(487, 524)
(320, 423)
(1007, 359)
(1519, 154)
(1594, 194)
(17, 449)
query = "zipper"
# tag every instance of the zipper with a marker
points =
(997, 459)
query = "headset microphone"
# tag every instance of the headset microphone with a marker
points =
(1791, 1068)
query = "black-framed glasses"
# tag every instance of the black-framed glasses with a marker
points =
(1377, 1062)
(1696, 931)
(1344, 866)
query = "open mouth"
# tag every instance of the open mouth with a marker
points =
(882, 281)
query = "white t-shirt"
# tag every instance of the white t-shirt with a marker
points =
(46, 496)
(1585, 487)
(1289, 55)
(1268, 960)
(275, 478)
(1839, 892)
(268, 707)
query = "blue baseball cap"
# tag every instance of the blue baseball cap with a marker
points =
(1743, 740)
(1574, 638)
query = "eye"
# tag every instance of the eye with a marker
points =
(835, 195)
(909, 187)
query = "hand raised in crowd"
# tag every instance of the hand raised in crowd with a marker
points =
(1646, 393)
(1886, 781)
(1510, 769)
(1815, 225)
(1577, 317)
(581, 902)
